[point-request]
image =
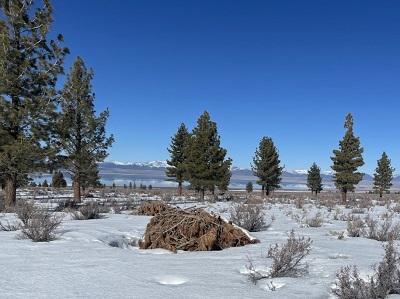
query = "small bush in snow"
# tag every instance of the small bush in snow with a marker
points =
(382, 231)
(41, 226)
(286, 259)
(315, 221)
(355, 227)
(10, 226)
(91, 210)
(385, 280)
(395, 208)
(249, 216)
(24, 211)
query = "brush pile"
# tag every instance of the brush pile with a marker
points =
(152, 208)
(192, 230)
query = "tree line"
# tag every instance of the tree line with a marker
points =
(43, 128)
(198, 158)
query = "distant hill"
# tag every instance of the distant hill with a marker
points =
(153, 172)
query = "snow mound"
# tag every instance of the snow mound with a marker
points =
(171, 280)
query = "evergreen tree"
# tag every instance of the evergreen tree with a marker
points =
(45, 184)
(134, 185)
(113, 185)
(81, 133)
(346, 160)
(58, 180)
(125, 186)
(383, 175)
(314, 179)
(130, 186)
(178, 151)
(29, 66)
(266, 166)
(249, 187)
(206, 164)
(150, 187)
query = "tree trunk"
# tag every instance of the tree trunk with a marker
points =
(344, 197)
(380, 194)
(202, 194)
(10, 194)
(263, 191)
(77, 190)
(267, 191)
(180, 188)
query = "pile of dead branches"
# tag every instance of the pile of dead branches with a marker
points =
(152, 208)
(192, 230)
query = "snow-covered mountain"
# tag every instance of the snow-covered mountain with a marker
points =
(155, 163)
(155, 170)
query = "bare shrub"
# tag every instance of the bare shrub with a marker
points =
(10, 226)
(384, 281)
(24, 211)
(299, 202)
(355, 227)
(41, 226)
(315, 221)
(396, 208)
(350, 285)
(91, 210)
(286, 259)
(382, 231)
(249, 217)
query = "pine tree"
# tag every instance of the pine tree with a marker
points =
(206, 163)
(29, 66)
(130, 186)
(58, 180)
(113, 185)
(266, 166)
(347, 159)
(134, 185)
(150, 187)
(314, 179)
(81, 133)
(383, 175)
(45, 184)
(178, 151)
(249, 187)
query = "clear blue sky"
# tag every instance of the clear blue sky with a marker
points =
(286, 69)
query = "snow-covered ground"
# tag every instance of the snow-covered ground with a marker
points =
(99, 259)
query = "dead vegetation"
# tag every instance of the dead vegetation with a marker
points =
(384, 281)
(192, 230)
(38, 224)
(249, 216)
(374, 229)
(152, 208)
(91, 210)
(286, 259)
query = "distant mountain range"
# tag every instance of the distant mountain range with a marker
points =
(153, 172)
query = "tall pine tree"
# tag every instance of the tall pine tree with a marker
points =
(176, 169)
(206, 165)
(383, 175)
(266, 166)
(314, 179)
(29, 66)
(347, 159)
(82, 134)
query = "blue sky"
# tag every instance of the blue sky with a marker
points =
(286, 69)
